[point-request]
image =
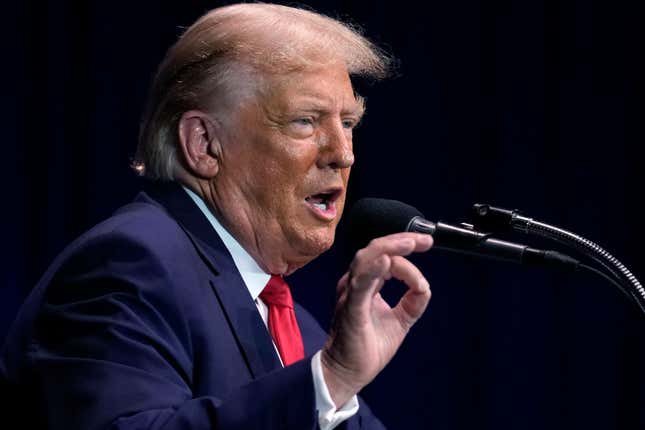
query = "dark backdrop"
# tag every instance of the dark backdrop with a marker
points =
(536, 105)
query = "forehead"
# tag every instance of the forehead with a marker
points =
(324, 88)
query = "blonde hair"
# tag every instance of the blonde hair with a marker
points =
(226, 52)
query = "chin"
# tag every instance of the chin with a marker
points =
(314, 246)
(322, 238)
(309, 246)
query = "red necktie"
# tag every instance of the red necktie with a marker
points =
(282, 320)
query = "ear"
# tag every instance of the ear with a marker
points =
(199, 143)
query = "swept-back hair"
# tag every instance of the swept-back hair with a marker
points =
(226, 53)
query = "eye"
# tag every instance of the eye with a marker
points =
(350, 123)
(302, 126)
(304, 121)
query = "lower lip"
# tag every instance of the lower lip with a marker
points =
(328, 214)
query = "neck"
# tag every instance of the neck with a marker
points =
(233, 215)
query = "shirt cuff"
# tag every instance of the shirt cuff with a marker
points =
(328, 415)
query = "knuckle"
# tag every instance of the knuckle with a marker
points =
(375, 243)
(385, 261)
(378, 264)
(353, 283)
(359, 259)
(405, 321)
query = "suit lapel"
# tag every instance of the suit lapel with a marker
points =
(241, 312)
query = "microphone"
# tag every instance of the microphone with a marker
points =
(371, 218)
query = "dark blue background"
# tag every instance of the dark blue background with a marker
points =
(537, 105)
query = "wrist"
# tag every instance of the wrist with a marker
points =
(339, 379)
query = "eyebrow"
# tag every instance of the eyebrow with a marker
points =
(360, 105)
(314, 105)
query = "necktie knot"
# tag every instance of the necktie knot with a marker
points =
(277, 293)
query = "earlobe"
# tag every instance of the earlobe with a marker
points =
(199, 144)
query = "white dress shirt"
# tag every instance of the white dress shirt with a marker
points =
(255, 280)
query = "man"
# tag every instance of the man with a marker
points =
(157, 317)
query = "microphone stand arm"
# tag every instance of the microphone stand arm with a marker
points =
(490, 218)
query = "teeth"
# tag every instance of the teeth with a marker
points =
(321, 206)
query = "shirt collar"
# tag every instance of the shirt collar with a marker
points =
(253, 276)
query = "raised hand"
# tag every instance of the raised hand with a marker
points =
(366, 332)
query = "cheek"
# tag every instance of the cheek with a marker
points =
(296, 166)
(345, 175)
(283, 175)
(277, 186)
(301, 157)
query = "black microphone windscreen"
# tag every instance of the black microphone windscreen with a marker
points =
(370, 218)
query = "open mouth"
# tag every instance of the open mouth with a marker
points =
(324, 204)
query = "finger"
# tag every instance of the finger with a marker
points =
(341, 287)
(367, 282)
(414, 302)
(371, 266)
(369, 262)
(394, 244)
(342, 283)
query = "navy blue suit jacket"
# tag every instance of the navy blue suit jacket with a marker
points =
(144, 323)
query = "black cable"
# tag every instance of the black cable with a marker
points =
(493, 219)
(630, 296)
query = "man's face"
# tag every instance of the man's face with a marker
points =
(285, 164)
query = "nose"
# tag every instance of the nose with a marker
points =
(336, 147)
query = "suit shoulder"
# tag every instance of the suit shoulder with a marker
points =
(140, 238)
(142, 222)
(136, 225)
